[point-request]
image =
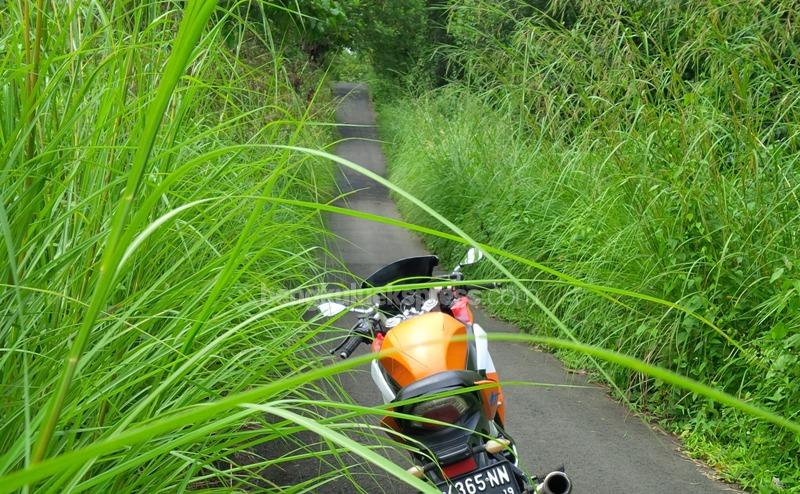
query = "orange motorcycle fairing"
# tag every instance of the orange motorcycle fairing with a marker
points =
(425, 346)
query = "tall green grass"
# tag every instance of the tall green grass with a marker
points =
(145, 265)
(159, 206)
(651, 148)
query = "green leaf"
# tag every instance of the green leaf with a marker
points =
(779, 331)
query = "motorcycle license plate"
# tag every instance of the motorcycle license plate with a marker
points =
(494, 479)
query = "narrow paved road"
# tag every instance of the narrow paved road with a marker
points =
(604, 448)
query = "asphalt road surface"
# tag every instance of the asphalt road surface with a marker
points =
(605, 449)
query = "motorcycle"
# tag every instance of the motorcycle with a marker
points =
(437, 370)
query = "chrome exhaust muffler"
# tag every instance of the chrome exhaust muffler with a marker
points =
(555, 483)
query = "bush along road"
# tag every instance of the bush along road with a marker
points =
(555, 416)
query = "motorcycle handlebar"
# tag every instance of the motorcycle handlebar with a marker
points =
(349, 346)
(360, 333)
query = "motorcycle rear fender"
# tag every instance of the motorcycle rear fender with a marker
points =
(450, 444)
(486, 400)
(441, 383)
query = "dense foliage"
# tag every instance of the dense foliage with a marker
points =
(647, 146)
(145, 261)
(149, 264)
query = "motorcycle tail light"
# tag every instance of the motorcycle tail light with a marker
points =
(448, 410)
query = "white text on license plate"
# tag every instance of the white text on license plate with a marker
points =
(497, 479)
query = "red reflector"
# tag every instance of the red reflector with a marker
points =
(459, 468)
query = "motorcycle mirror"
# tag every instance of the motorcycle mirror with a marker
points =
(473, 255)
(330, 309)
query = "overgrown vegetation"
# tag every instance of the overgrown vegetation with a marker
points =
(647, 146)
(151, 331)
(145, 261)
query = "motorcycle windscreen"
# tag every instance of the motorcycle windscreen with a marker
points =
(410, 267)
(417, 269)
